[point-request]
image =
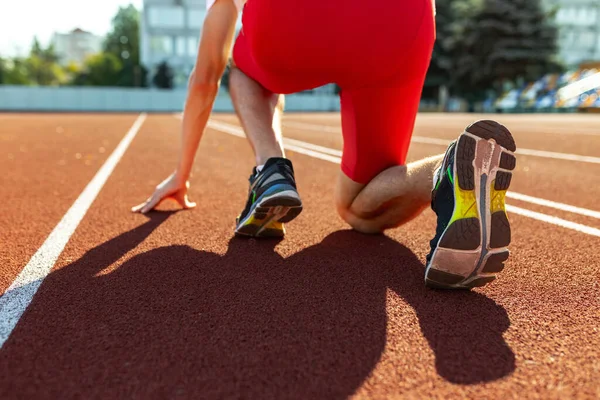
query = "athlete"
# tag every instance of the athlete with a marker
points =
(378, 53)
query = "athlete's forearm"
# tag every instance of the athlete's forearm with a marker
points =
(213, 53)
(198, 107)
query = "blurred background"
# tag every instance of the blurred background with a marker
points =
(120, 55)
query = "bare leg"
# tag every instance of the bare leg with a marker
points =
(260, 112)
(392, 198)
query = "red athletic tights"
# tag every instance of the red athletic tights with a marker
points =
(377, 51)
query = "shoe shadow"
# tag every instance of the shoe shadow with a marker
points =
(176, 322)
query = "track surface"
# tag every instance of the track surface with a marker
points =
(170, 305)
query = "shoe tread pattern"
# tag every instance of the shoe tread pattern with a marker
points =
(487, 129)
(462, 234)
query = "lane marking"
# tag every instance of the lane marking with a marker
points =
(311, 153)
(444, 143)
(558, 156)
(312, 150)
(554, 204)
(554, 220)
(325, 150)
(289, 144)
(18, 296)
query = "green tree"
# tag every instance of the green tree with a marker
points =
(441, 60)
(132, 75)
(450, 19)
(504, 41)
(123, 41)
(164, 76)
(72, 69)
(42, 65)
(3, 69)
(102, 69)
(15, 72)
(36, 48)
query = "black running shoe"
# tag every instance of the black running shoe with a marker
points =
(473, 232)
(272, 200)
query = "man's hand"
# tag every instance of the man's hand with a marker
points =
(173, 188)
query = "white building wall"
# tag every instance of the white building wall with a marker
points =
(76, 45)
(579, 29)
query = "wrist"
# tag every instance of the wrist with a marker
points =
(180, 177)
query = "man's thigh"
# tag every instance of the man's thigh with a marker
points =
(377, 125)
(258, 59)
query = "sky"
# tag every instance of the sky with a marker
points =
(21, 20)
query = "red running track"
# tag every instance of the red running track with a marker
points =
(171, 305)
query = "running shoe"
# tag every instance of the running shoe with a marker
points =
(473, 232)
(272, 200)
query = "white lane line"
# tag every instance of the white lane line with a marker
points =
(558, 156)
(427, 140)
(227, 128)
(554, 204)
(312, 150)
(326, 150)
(292, 145)
(18, 296)
(554, 220)
(311, 153)
(444, 143)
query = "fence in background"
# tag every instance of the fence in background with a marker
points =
(94, 99)
(74, 99)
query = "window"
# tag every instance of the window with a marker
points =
(180, 45)
(592, 16)
(196, 18)
(192, 46)
(587, 16)
(572, 15)
(165, 17)
(585, 40)
(161, 45)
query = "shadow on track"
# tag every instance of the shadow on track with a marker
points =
(176, 322)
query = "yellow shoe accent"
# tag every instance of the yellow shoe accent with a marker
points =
(497, 199)
(275, 225)
(465, 204)
(251, 221)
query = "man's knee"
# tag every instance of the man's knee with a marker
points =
(360, 223)
(359, 218)
(357, 198)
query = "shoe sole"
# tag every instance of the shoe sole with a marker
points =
(474, 246)
(268, 215)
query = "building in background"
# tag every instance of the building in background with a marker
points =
(170, 30)
(579, 29)
(76, 45)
